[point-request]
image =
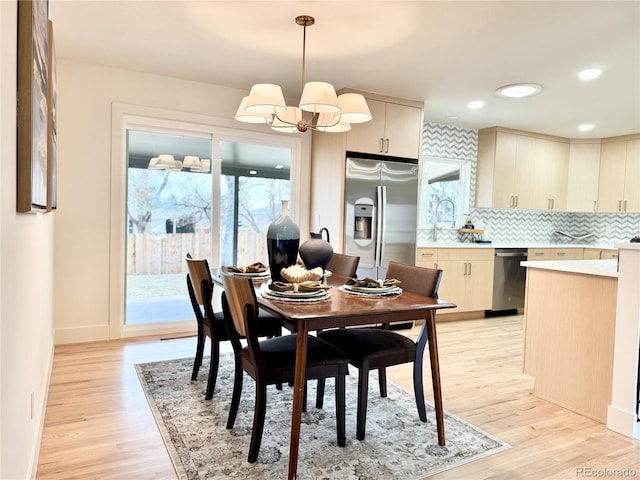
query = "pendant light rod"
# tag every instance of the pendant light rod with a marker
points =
(304, 21)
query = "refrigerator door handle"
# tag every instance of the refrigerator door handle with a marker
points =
(379, 228)
(383, 224)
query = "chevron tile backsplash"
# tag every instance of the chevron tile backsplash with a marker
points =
(514, 226)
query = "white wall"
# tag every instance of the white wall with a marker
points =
(86, 93)
(26, 281)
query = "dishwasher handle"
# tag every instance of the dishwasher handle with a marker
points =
(511, 254)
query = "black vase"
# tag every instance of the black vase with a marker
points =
(283, 239)
(316, 252)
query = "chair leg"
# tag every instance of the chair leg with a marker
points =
(258, 421)
(199, 352)
(340, 405)
(418, 387)
(320, 393)
(213, 369)
(363, 392)
(235, 396)
(382, 380)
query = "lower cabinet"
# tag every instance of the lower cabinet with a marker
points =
(467, 275)
(600, 253)
(555, 254)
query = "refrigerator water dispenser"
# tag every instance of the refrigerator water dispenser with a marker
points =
(363, 221)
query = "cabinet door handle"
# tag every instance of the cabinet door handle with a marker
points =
(516, 197)
(619, 205)
(381, 148)
(469, 268)
(513, 201)
(595, 205)
(386, 145)
(553, 204)
(465, 269)
(625, 206)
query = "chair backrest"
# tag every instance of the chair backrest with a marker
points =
(241, 300)
(420, 280)
(341, 264)
(198, 273)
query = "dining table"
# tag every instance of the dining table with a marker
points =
(346, 309)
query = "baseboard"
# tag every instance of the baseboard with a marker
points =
(81, 334)
(625, 423)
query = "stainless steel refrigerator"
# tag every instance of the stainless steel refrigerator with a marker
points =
(381, 199)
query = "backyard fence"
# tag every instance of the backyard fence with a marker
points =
(163, 253)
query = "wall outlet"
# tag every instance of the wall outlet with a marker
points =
(33, 403)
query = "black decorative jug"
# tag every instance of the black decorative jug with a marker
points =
(283, 239)
(316, 252)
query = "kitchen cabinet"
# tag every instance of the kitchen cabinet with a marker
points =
(600, 253)
(467, 275)
(505, 169)
(567, 253)
(550, 176)
(394, 130)
(619, 184)
(584, 173)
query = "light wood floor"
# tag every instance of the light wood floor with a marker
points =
(98, 423)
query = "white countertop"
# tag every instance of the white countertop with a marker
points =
(603, 268)
(510, 245)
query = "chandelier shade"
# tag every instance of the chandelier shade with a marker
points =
(329, 113)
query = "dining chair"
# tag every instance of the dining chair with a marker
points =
(341, 264)
(273, 360)
(373, 348)
(211, 324)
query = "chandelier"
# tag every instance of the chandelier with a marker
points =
(167, 161)
(323, 109)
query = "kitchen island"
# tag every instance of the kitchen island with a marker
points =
(570, 319)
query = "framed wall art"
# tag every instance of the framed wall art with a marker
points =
(33, 110)
(52, 132)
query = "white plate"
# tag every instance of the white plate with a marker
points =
(316, 298)
(315, 293)
(251, 275)
(370, 289)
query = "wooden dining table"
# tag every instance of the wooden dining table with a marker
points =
(345, 309)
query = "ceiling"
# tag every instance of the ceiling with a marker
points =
(444, 53)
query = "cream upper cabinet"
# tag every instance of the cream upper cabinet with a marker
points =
(505, 169)
(584, 171)
(619, 188)
(551, 171)
(395, 130)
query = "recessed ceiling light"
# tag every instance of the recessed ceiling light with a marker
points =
(278, 167)
(253, 172)
(585, 127)
(475, 104)
(452, 117)
(589, 73)
(519, 90)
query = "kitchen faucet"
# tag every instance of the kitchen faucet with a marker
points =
(435, 220)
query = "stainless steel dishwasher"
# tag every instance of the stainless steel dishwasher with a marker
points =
(508, 279)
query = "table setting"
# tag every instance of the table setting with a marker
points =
(257, 271)
(371, 287)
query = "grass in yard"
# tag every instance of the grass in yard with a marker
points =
(152, 286)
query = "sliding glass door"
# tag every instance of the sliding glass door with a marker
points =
(169, 214)
(203, 194)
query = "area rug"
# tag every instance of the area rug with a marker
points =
(397, 444)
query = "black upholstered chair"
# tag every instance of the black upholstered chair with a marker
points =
(272, 361)
(211, 324)
(378, 348)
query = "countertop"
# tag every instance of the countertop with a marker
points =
(603, 268)
(510, 245)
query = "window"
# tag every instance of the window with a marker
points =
(445, 188)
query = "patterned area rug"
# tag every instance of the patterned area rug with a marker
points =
(397, 444)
